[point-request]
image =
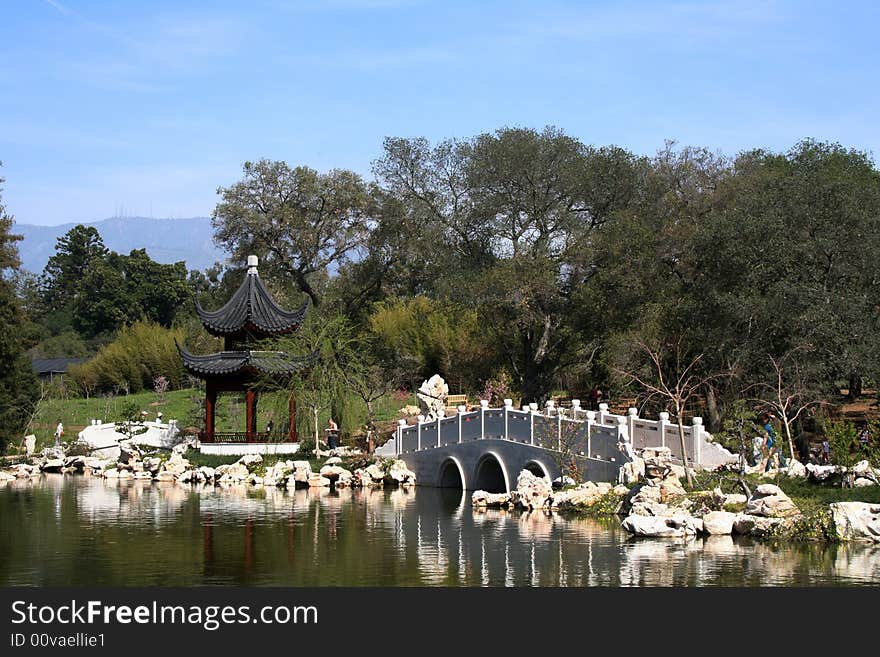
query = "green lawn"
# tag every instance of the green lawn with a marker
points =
(184, 406)
(77, 412)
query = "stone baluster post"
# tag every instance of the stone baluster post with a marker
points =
(697, 438)
(441, 413)
(532, 409)
(663, 423)
(420, 420)
(461, 411)
(603, 412)
(632, 414)
(559, 431)
(524, 409)
(484, 404)
(399, 442)
(508, 404)
(591, 420)
(575, 408)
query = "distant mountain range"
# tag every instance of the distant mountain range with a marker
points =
(166, 240)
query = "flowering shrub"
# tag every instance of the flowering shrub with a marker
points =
(160, 386)
(497, 389)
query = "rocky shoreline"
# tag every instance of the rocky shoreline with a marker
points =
(650, 498)
(654, 504)
(250, 469)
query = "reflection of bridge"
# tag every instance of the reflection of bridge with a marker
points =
(486, 448)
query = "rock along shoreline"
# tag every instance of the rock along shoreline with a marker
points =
(653, 504)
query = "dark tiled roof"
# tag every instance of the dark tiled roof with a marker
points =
(231, 362)
(251, 307)
(54, 365)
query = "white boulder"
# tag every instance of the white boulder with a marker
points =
(754, 525)
(583, 496)
(207, 473)
(796, 469)
(336, 474)
(718, 522)
(532, 492)
(317, 481)
(769, 501)
(400, 474)
(660, 527)
(631, 472)
(432, 396)
(856, 521)
(822, 472)
(482, 499)
(52, 465)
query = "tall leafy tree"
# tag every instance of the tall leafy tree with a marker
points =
(302, 223)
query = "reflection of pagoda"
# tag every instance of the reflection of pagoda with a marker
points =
(250, 315)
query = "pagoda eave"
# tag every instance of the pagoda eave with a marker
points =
(244, 364)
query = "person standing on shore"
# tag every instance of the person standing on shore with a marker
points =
(770, 442)
(332, 434)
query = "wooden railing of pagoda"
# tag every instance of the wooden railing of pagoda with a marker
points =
(244, 437)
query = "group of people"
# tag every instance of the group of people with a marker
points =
(766, 448)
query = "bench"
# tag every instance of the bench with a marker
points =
(454, 401)
(621, 406)
(562, 401)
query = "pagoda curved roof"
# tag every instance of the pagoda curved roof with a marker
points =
(233, 362)
(251, 307)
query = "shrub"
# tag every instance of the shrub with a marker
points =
(140, 354)
(842, 437)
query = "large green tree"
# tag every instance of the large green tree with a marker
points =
(120, 290)
(302, 223)
(512, 215)
(95, 291)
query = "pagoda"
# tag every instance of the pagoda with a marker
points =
(249, 316)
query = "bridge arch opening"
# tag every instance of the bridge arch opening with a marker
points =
(451, 474)
(537, 468)
(490, 475)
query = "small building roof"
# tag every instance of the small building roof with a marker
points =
(252, 309)
(54, 365)
(236, 362)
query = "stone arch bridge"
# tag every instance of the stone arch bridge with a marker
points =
(486, 449)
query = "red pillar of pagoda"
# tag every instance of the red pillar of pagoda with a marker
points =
(210, 406)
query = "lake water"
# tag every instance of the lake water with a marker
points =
(86, 531)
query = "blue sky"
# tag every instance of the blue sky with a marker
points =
(146, 108)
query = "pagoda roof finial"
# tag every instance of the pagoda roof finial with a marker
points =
(252, 262)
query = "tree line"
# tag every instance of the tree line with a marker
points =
(525, 262)
(530, 257)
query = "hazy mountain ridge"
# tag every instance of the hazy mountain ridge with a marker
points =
(166, 240)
